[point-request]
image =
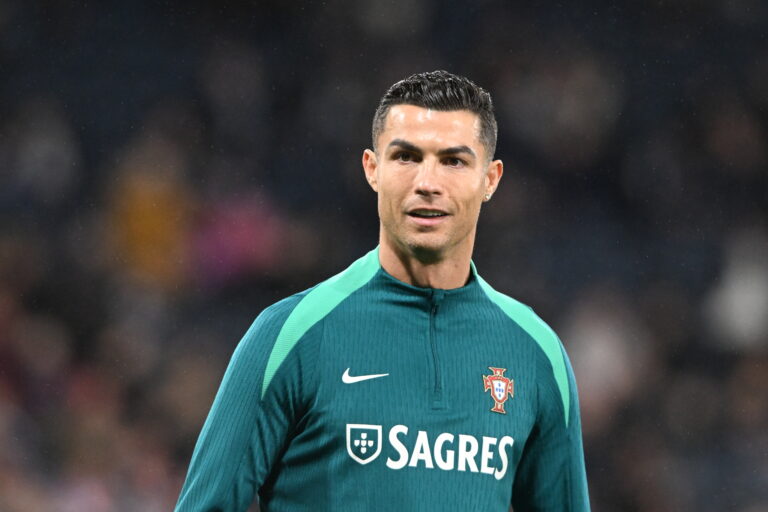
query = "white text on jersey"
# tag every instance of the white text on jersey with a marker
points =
(448, 452)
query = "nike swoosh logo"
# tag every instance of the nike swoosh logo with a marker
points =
(349, 379)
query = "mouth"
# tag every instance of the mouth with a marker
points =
(427, 213)
(427, 216)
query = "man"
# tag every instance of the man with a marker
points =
(405, 382)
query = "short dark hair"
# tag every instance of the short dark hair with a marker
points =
(440, 90)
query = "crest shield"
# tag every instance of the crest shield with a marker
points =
(501, 388)
(363, 442)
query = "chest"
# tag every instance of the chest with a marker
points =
(420, 385)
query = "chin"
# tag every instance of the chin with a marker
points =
(427, 248)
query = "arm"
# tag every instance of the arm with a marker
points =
(551, 474)
(243, 434)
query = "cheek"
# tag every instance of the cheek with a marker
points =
(388, 201)
(472, 198)
(390, 192)
(473, 210)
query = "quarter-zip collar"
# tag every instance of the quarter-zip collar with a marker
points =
(470, 291)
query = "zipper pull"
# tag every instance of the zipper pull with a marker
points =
(436, 298)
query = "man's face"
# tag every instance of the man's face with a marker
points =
(431, 176)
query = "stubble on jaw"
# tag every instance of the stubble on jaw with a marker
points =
(427, 256)
(425, 252)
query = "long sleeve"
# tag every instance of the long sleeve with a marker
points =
(244, 433)
(551, 475)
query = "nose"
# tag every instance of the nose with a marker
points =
(427, 182)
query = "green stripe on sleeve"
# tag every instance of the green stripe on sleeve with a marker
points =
(315, 306)
(539, 331)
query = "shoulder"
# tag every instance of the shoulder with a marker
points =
(288, 321)
(294, 315)
(300, 312)
(542, 334)
(274, 316)
(525, 317)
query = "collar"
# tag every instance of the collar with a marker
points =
(471, 288)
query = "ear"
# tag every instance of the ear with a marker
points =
(492, 177)
(369, 166)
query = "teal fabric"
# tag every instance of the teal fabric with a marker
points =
(365, 393)
(315, 305)
(539, 331)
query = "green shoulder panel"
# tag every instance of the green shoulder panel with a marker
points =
(539, 331)
(315, 306)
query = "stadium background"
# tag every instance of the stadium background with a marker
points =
(169, 169)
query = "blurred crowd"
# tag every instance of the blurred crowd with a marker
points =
(167, 170)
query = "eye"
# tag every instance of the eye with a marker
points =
(404, 156)
(452, 161)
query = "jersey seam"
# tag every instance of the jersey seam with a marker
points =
(322, 323)
(541, 350)
(240, 464)
(543, 359)
(293, 424)
(318, 377)
(317, 373)
(538, 392)
(539, 353)
(366, 267)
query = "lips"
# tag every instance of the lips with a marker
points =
(427, 217)
(427, 213)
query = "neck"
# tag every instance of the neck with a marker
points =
(426, 270)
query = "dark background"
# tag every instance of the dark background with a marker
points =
(167, 170)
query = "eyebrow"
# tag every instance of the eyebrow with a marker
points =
(442, 152)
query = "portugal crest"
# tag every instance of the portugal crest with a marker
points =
(500, 386)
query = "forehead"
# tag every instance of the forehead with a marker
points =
(426, 127)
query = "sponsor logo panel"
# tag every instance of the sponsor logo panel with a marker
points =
(445, 451)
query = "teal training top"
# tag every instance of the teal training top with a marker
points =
(365, 393)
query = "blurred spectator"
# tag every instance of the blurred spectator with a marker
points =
(564, 103)
(150, 211)
(736, 310)
(610, 350)
(43, 161)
